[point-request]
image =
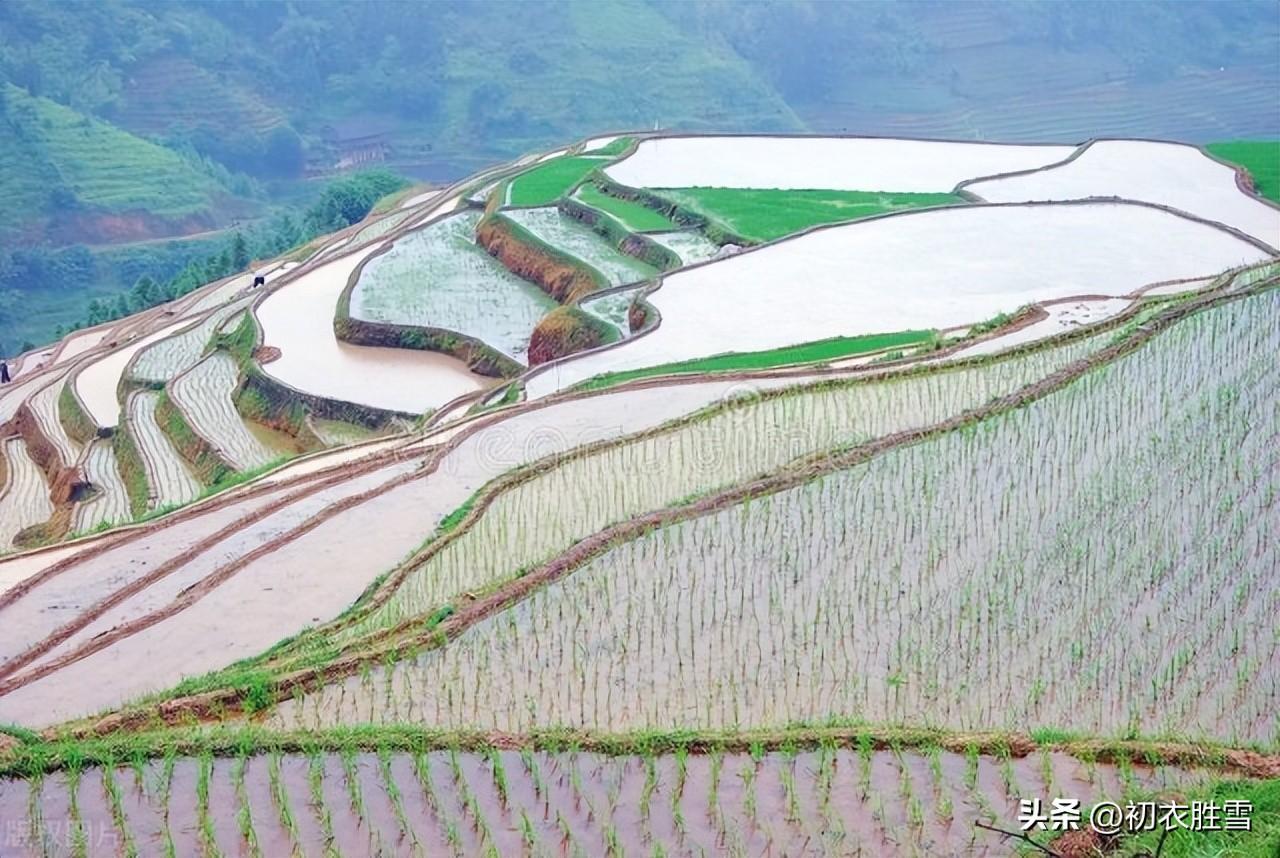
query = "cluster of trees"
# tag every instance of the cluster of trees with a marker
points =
(159, 274)
(343, 202)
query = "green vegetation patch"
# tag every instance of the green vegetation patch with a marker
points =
(548, 182)
(766, 214)
(65, 159)
(1260, 157)
(633, 215)
(614, 148)
(820, 350)
(1261, 840)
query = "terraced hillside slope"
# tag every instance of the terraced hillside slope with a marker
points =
(639, 514)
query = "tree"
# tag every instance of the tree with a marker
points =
(239, 252)
(145, 293)
(97, 313)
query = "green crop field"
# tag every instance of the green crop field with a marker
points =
(830, 349)
(546, 183)
(1260, 157)
(766, 214)
(633, 215)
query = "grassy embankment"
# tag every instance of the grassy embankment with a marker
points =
(821, 350)
(767, 214)
(1260, 157)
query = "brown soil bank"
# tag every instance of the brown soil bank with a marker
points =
(525, 257)
(567, 331)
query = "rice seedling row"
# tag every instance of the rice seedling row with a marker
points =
(111, 505)
(24, 500)
(1137, 495)
(98, 383)
(830, 801)
(170, 480)
(44, 405)
(169, 358)
(734, 443)
(204, 394)
(575, 239)
(439, 277)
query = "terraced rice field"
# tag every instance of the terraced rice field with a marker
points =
(726, 447)
(838, 556)
(551, 180)
(1171, 174)
(111, 505)
(170, 480)
(764, 215)
(204, 395)
(97, 383)
(831, 801)
(1138, 490)
(167, 359)
(24, 499)
(1102, 249)
(579, 241)
(831, 163)
(44, 405)
(633, 216)
(439, 277)
(298, 320)
(691, 247)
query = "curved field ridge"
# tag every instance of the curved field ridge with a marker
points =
(204, 395)
(24, 499)
(112, 503)
(919, 270)
(1097, 513)
(170, 480)
(298, 320)
(44, 405)
(835, 800)
(1171, 174)
(830, 163)
(577, 240)
(728, 444)
(170, 357)
(97, 383)
(438, 276)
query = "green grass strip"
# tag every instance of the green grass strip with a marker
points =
(821, 350)
(633, 216)
(766, 214)
(548, 182)
(615, 147)
(1260, 157)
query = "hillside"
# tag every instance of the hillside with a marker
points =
(70, 177)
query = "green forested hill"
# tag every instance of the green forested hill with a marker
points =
(71, 176)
